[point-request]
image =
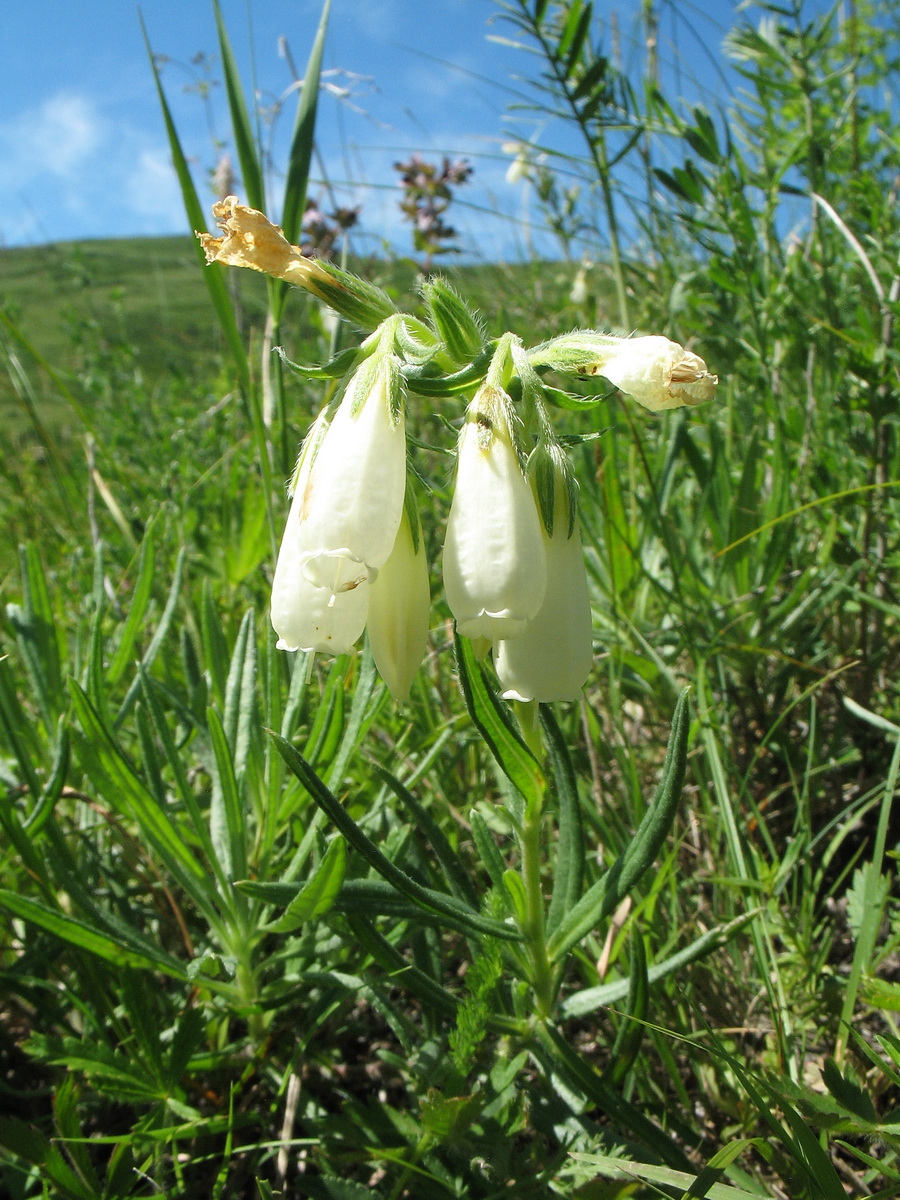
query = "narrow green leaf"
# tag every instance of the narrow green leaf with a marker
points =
(631, 1032)
(30, 1145)
(303, 139)
(601, 899)
(495, 725)
(183, 786)
(86, 937)
(213, 275)
(360, 716)
(375, 897)
(617, 1167)
(626, 1116)
(140, 598)
(400, 971)
(52, 789)
(490, 856)
(227, 816)
(114, 776)
(848, 1093)
(515, 891)
(244, 140)
(428, 898)
(318, 895)
(43, 623)
(590, 999)
(240, 695)
(455, 873)
(19, 731)
(159, 636)
(568, 866)
(572, 402)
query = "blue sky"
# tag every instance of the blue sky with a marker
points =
(84, 151)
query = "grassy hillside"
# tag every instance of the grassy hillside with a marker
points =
(141, 305)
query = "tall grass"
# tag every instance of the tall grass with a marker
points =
(208, 991)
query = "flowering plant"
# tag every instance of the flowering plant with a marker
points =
(352, 551)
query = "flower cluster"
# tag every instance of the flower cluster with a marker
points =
(427, 194)
(353, 558)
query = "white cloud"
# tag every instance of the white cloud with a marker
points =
(72, 170)
(152, 193)
(55, 138)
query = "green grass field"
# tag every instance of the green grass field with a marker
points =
(269, 932)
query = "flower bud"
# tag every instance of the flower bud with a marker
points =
(494, 562)
(399, 608)
(456, 324)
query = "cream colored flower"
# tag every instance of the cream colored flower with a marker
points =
(494, 563)
(653, 370)
(346, 510)
(399, 609)
(354, 498)
(658, 373)
(552, 659)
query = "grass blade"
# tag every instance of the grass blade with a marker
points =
(601, 899)
(369, 851)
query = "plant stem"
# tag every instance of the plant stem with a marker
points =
(534, 930)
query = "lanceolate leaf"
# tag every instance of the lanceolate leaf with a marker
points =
(318, 894)
(495, 725)
(427, 897)
(569, 861)
(601, 899)
(303, 140)
(88, 938)
(590, 999)
(213, 276)
(244, 139)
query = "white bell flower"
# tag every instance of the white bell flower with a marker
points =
(346, 509)
(399, 610)
(552, 659)
(494, 564)
(354, 498)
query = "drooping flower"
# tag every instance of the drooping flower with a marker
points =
(346, 510)
(551, 659)
(399, 607)
(494, 563)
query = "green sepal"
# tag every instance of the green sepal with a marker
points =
(425, 382)
(581, 352)
(335, 368)
(360, 302)
(568, 400)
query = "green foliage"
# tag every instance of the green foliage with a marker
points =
(266, 934)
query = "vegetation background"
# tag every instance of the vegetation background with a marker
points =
(728, 1027)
